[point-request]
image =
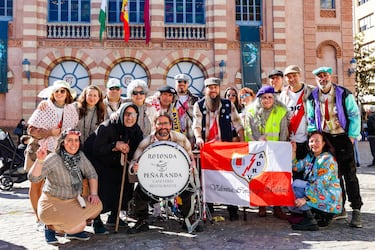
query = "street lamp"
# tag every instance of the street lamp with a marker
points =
(26, 68)
(222, 67)
(353, 67)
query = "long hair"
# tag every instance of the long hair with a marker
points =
(68, 100)
(100, 106)
(327, 146)
(236, 102)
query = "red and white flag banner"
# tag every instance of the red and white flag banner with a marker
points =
(254, 173)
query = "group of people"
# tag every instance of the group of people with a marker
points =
(79, 149)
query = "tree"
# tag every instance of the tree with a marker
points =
(365, 68)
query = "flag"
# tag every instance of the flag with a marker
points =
(102, 17)
(124, 17)
(146, 18)
(243, 174)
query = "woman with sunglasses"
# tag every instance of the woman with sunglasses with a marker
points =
(45, 126)
(61, 206)
(231, 94)
(115, 140)
(268, 122)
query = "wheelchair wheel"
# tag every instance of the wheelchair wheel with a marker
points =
(6, 183)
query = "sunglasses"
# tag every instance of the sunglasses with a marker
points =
(181, 81)
(162, 124)
(245, 95)
(62, 91)
(231, 95)
(138, 92)
(131, 114)
(114, 88)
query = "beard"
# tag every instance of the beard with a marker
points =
(163, 132)
(213, 103)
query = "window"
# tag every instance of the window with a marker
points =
(248, 11)
(69, 11)
(136, 9)
(327, 4)
(366, 23)
(6, 8)
(185, 11)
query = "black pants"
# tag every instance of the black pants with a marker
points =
(371, 139)
(301, 152)
(344, 151)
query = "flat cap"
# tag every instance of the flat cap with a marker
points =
(182, 77)
(167, 89)
(322, 69)
(275, 72)
(212, 81)
(292, 69)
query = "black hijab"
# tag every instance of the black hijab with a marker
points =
(131, 135)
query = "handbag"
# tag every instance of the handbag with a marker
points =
(17, 131)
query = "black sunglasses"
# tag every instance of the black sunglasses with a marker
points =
(138, 92)
(180, 81)
(114, 88)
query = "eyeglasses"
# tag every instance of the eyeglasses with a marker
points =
(182, 81)
(138, 92)
(245, 95)
(114, 88)
(131, 114)
(162, 124)
(231, 95)
(62, 91)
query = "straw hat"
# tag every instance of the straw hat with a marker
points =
(46, 93)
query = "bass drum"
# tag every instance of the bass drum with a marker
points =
(164, 170)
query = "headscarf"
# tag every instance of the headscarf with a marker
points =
(131, 135)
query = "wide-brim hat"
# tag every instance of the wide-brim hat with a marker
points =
(46, 93)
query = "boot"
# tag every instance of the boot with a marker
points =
(307, 224)
(356, 219)
(262, 212)
(278, 213)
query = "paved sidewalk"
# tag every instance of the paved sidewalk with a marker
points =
(18, 228)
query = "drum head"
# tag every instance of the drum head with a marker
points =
(164, 169)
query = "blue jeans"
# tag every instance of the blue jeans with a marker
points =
(299, 192)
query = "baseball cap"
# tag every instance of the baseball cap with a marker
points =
(113, 82)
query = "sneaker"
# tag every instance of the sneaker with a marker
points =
(342, 215)
(140, 226)
(306, 225)
(39, 227)
(78, 236)
(50, 236)
(356, 219)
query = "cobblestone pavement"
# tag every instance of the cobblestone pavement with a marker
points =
(18, 228)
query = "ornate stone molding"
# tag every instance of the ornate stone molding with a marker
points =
(187, 44)
(335, 45)
(328, 13)
(328, 28)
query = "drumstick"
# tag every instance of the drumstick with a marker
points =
(121, 193)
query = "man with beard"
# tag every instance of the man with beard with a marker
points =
(332, 109)
(213, 121)
(184, 105)
(163, 132)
